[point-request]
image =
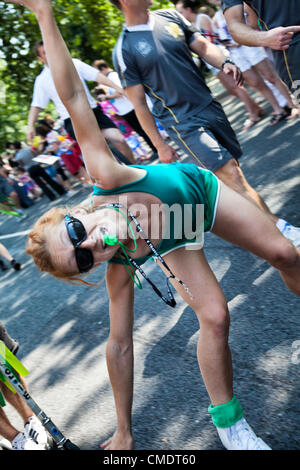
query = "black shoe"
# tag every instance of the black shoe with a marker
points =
(15, 265)
(288, 110)
(3, 266)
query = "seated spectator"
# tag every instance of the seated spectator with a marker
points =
(25, 156)
(64, 147)
(30, 187)
(8, 194)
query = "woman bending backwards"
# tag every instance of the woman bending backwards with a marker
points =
(125, 228)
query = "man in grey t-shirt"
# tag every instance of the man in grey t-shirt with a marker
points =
(154, 57)
(25, 157)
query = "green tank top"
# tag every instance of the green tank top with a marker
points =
(181, 187)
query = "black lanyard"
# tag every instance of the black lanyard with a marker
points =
(170, 300)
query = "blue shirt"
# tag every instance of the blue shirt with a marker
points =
(157, 56)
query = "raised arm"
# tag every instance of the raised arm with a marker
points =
(33, 115)
(276, 38)
(136, 95)
(101, 165)
(103, 80)
(215, 57)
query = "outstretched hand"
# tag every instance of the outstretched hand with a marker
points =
(281, 37)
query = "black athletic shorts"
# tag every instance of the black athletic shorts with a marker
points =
(207, 137)
(103, 122)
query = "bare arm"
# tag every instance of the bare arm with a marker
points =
(215, 57)
(101, 165)
(119, 353)
(136, 95)
(109, 97)
(276, 38)
(32, 118)
(103, 80)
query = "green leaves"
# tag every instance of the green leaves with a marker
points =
(90, 29)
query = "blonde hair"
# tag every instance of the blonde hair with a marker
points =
(37, 247)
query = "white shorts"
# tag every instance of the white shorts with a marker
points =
(246, 57)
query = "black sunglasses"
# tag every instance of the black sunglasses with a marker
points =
(77, 234)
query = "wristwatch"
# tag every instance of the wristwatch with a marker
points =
(227, 61)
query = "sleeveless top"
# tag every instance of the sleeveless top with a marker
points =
(182, 188)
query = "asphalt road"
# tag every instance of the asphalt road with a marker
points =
(63, 329)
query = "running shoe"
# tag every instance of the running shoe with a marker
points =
(22, 442)
(241, 437)
(5, 444)
(36, 431)
(292, 233)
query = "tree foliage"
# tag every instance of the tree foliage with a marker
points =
(90, 30)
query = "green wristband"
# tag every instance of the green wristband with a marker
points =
(226, 415)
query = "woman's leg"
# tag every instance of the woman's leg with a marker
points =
(208, 302)
(17, 402)
(240, 92)
(243, 224)
(255, 80)
(267, 70)
(7, 430)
